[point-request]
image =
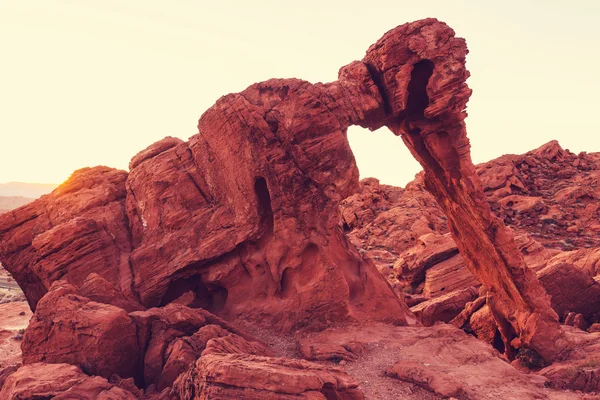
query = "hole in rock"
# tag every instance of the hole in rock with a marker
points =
(265, 211)
(418, 100)
(498, 342)
(196, 294)
(294, 278)
(346, 227)
(515, 189)
(329, 392)
(286, 285)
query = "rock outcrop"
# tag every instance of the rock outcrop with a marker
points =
(79, 229)
(66, 327)
(138, 279)
(441, 359)
(423, 85)
(59, 382)
(431, 266)
(242, 218)
(240, 376)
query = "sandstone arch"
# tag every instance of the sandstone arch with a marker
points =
(430, 122)
(233, 209)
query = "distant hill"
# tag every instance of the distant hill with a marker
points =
(22, 189)
(8, 203)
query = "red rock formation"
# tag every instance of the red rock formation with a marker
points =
(60, 382)
(444, 308)
(441, 358)
(420, 69)
(242, 221)
(152, 346)
(238, 376)
(98, 289)
(244, 215)
(573, 289)
(101, 339)
(385, 222)
(79, 229)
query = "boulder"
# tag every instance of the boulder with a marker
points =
(60, 382)
(78, 229)
(98, 289)
(237, 376)
(66, 327)
(572, 289)
(444, 308)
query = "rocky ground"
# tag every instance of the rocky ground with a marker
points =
(548, 196)
(13, 321)
(251, 263)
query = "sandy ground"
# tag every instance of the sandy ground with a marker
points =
(367, 370)
(14, 318)
(8, 283)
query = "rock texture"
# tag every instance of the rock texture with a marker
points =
(59, 382)
(423, 83)
(80, 228)
(235, 376)
(441, 359)
(132, 276)
(242, 218)
(101, 339)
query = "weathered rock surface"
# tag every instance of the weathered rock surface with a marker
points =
(444, 308)
(127, 272)
(581, 367)
(101, 339)
(515, 197)
(173, 337)
(59, 381)
(573, 288)
(98, 289)
(79, 229)
(425, 106)
(152, 346)
(442, 359)
(242, 218)
(237, 376)
(261, 252)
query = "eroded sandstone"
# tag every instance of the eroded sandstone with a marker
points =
(241, 223)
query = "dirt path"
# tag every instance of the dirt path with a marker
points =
(14, 318)
(8, 283)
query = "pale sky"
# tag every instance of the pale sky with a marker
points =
(86, 83)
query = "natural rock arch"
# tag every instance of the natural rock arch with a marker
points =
(426, 108)
(234, 208)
